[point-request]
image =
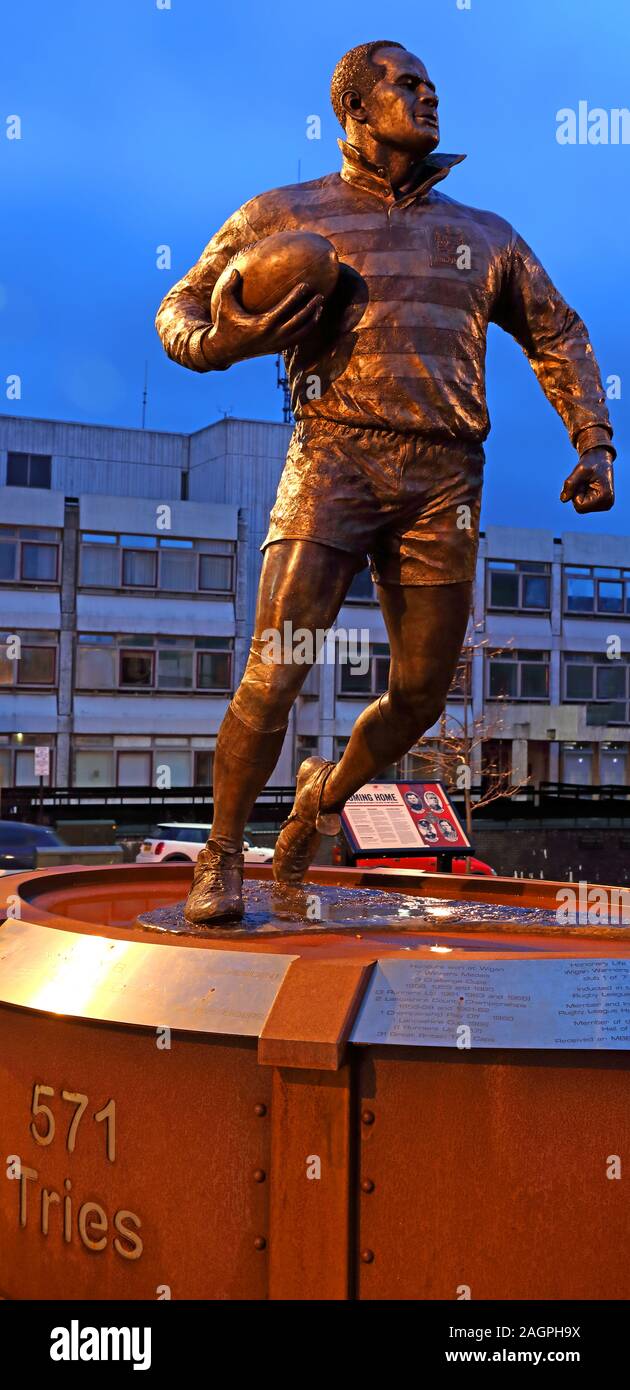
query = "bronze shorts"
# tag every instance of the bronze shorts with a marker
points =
(408, 504)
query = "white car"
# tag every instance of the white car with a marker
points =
(177, 842)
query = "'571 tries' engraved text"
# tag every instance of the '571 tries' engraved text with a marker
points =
(89, 1220)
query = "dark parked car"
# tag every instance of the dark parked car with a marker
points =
(19, 843)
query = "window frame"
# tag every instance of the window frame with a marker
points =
(374, 690)
(120, 646)
(597, 576)
(200, 652)
(465, 662)
(594, 662)
(131, 550)
(197, 546)
(518, 658)
(151, 652)
(52, 646)
(19, 542)
(540, 568)
(27, 455)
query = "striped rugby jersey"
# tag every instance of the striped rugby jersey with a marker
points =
(402, 342)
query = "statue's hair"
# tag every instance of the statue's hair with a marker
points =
(356, 70)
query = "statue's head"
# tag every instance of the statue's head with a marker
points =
(382, 90)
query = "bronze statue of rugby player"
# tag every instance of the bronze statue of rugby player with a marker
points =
(386, 459)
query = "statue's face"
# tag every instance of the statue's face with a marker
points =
(401, 109)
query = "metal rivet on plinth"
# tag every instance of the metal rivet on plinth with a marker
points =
(259, 1175)
(260, 1242)
(368, 1117)
(367, 1256)
(367, 1185)
(260, 1109)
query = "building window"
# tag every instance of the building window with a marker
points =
(28, 470)
(136, 669)
(613, 759)
(94, 768)
(17, 759)
(590, 679)
(140, 662)
(310, 688)
(39, 563)
(354, 681)
(518, 675)
(204, 767)
(175, 668)
(156, 563)
(176, 762)
(214, 670)
(96, 667)
(100, 562)
(215, 572)
(29, 555)
(133, 768)
(496, 762)
(306, 745)
(577, 764)
(461, 684)
(28, 659)
(596, 589)
(178, 568)
(99, 762)
(519, 584)
(139, 567)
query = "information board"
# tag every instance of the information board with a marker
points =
(557, 1004)
(403, 817)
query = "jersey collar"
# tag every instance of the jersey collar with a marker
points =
(360, 172)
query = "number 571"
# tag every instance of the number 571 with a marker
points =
(46, 1136)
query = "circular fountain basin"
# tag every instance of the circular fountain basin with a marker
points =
(331, 914)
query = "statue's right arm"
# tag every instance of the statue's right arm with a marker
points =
(184, 320)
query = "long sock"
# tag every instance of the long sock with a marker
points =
(243, 762)
(377, 740)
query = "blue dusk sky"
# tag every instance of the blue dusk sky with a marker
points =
(144, 126)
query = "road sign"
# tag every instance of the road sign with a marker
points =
(42, 762)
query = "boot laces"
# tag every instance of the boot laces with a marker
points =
(212, 864)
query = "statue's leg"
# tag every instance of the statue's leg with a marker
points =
(415, 505)
(302, 583)
(426, 625)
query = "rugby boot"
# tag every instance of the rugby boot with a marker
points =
(217, 886)
(301, 833)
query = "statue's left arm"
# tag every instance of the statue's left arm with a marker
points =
(556, 342)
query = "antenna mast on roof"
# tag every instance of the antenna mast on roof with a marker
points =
(144, 394)
(283, 382)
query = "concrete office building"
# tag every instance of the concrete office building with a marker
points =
(129, 562)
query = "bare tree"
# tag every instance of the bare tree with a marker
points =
(450, 758)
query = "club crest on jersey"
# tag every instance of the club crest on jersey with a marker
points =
(446, 246)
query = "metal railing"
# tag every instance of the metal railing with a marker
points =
(128, 804)
(150, 805)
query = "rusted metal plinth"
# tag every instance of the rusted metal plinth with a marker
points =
(178, 1122)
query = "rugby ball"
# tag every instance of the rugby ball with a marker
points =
(271, 268)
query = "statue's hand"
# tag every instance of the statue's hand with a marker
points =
(591, 485)
(237, 334)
